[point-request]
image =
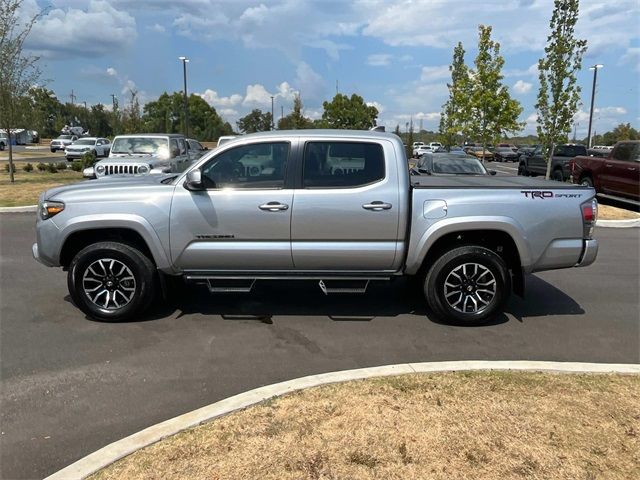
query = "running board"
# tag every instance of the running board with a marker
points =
(241, 284)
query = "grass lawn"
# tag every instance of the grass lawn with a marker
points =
(437, 426)
(28, 186)
(607, 212)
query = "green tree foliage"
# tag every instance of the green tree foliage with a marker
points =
(623, 131)
(166, 115)
(454, 118)
(492, 111)
(18, 70)
(296, 119)
(131, 116)
(350, 113)
(41, 108)
(559, 93)
(256, 121)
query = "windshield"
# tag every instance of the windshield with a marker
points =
(504, 149)
(85, 141)
(141, 145)
(457, 165)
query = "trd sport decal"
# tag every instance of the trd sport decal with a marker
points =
(542, 194)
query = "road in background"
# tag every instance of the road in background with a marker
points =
(71, 385)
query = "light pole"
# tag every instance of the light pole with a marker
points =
(272, 112)
(593, 96)
(185, 60)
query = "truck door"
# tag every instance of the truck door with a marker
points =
(621, 172)
(346, 213)
(242, 221)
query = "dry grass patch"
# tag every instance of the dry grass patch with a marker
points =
(28, 186)
(607, 212)
(440, 426)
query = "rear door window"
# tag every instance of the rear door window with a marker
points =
(342, 164)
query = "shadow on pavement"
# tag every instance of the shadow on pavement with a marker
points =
(383, 299)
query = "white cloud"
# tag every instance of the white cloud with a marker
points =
(378, 106)
(212, 98)
(228, 112)
(112, 72)
(379, 59)
(257, 95)
(74, 32)
(631, 57)
(522, 87)
(434, 73)
(310, 84)
(157, 28)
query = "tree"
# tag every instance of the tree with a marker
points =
(18, 71)
(131, 117)
(410, 140)
(397, 130)
(492, 111)
(256, 121)
(296, 119)
(454, 118)
(349, 113)
(559, 93)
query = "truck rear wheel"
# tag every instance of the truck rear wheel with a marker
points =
(111, 281)
(467, 285)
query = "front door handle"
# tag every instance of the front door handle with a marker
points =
(608, 165)
(377, 206)
(273, 207)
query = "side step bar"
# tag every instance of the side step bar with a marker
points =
(328, 285)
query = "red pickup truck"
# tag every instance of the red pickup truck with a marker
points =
(617, 175)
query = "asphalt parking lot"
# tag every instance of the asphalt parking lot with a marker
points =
(71, 385)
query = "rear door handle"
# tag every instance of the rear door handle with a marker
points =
(608, 165)
(273, 207)
(377, 206)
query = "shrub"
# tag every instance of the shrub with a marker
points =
(28, 168)
(88, 159)
(62, 165)
(51, 168)
(76, 166)
(8, 168)
(41, 167)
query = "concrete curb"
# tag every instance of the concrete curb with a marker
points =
(25, 209)
(600, 223)
(633, 222)
(128, 445)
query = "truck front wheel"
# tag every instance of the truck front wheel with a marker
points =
(467, 285)
(111, 281)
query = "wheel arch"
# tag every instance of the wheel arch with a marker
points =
(134, 232)
(496, 236)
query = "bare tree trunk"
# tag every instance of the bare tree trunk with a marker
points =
(551, 150)
(11, 167)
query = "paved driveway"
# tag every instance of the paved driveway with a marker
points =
(70, 385)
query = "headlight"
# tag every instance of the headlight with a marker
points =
(100, 169)
(50, 209)
(143, 169)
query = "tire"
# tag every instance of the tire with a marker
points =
(522, 170)
(557, 175)
(465, 266)
(586, 182)
(132, 278)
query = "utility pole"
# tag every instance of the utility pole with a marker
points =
(114, 102)
(85, 105)
(337, 90)
(185, 60)
(73, 98)
(272, 126)
(593, 96)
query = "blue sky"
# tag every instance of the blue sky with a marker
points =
(394, 53)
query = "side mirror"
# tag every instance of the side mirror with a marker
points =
(492, 172)
(193, 182)
(89, 173)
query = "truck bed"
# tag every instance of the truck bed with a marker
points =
(486, 181)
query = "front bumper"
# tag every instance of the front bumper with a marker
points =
(38, 257)
(589, 253)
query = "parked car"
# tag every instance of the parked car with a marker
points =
(478, 152)
(536, 164)
(62, 142)
(435, 145)
(469, 239)
(617, 175)
(598, 152)
(224, 139)
(3, 141)
(422, 149)
(98, 146)
(143, 154)
(414, 149)
(196, 150)
(505, 154)
(449, 164)
(507, 145)
(526, 150)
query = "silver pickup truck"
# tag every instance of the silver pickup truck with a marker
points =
(336, 207)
